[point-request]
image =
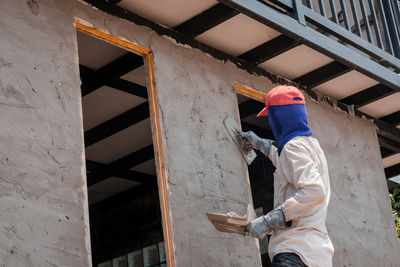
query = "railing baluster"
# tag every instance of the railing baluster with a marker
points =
(376, 25)
(322, 7)
(385, 28)
(344, 13)
(334, 12)
(366, 22)
(310, 4)
(355, 17)
(393, 28)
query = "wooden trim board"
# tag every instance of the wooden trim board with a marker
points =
(156, 127)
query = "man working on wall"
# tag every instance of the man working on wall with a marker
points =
(301, 185)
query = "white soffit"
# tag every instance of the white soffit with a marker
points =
(345, 85)
(392, 160)
(121, 144)
(137, 76)
(148, 167)
(106, 103)
(95, 53)
(170, 13)
(296, 62)
(108, 188)
(383, 107)
(395, 179)
(237, 35)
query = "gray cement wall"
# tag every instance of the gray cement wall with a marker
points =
(43, 198)
(42, 180)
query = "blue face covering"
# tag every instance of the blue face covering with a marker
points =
(287, 122)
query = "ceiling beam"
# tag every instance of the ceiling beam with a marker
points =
(388, 131)
(96, 169)
(118, 83)
(322, 74)
(386, 152)
(111, 71)
(123, 198)
(368, 95)
(250, 107)
(392, 171)
(114, 2)
(393, 118)
(269, 50)
(389, 144)
(117, 124)
(206, 20)
(121, 167)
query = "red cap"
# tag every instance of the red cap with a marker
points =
(282, 95)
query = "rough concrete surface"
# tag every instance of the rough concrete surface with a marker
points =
(43, 198)
(43, 209)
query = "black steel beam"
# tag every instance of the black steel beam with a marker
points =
(95, 170)
(121, 167)
(250, 107)
(117, 124)
(111, 71)
(392, 171)
(368, 95)
(206, 20)
(118, 83)
(393, 118)
(388, 131)
(270, 49)
(323, 44)
(386, 152)
(128, 87)
(114, 2)
(123, 198)
(389, 144)
(322, 74)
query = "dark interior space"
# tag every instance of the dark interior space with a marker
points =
(124, 207)
(261, 169)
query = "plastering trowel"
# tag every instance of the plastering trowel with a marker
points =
(232, 223)
(234, 130)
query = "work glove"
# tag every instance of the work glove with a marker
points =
(251, 140)
(275, 219)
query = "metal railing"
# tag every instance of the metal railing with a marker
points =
(370, 26)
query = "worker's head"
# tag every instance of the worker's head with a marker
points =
(287, 115)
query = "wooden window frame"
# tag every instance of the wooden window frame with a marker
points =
(156, 128)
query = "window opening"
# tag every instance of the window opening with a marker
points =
(124, 205)
(261, 169)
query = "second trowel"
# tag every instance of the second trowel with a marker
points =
(234, 131)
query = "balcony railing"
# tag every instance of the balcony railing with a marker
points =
(370, 26)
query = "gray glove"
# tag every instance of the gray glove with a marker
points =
(251, 140)
(275, 219)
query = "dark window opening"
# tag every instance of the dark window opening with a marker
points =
(261, 169)
(124, 206)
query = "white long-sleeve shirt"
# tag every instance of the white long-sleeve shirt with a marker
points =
(302, 190)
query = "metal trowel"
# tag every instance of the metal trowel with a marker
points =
(233, 128)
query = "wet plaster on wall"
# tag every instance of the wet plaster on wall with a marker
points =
(43, 198)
